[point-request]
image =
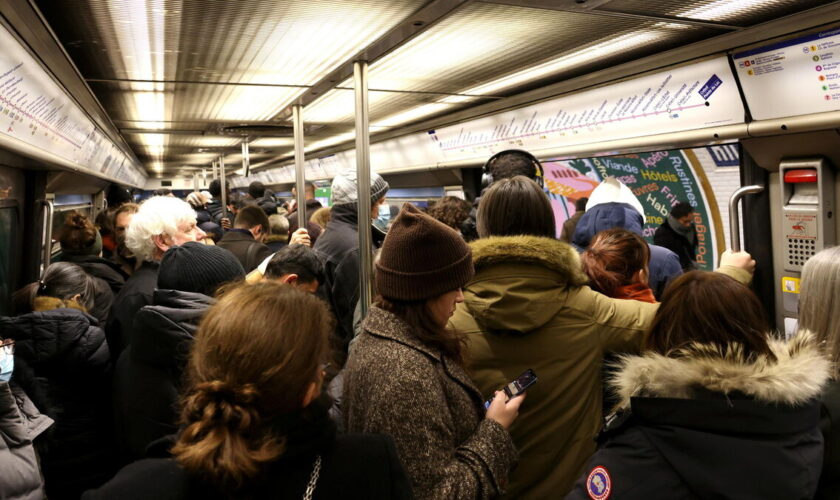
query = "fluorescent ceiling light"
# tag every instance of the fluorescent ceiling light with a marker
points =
(721, 10)
(580, 57)
(272, 142)
(412, 114)
(331, 141)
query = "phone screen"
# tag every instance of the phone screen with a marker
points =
(518, 386)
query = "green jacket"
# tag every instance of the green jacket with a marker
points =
(528, 306)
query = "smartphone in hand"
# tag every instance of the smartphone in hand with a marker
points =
(518, 386)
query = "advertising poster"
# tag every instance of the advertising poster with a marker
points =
(659, 180)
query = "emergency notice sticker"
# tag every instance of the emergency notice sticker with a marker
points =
(802, 226)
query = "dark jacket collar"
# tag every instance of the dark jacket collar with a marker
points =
(345, 214)
(236, 234)
(168, 326)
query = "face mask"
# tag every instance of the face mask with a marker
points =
(383, 217)
(7, 363)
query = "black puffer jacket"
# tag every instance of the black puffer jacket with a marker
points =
(268, 205)
(338, 248)
(214, 208)
(148, 374)
(714, 425)
(830, 427)
(68, 353)
(106, 270)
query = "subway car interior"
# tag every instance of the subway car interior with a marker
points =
(731, 105)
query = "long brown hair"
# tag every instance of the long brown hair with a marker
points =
(703, 307)
(612, 259)
(253, 360)
(78, 232)
(419, 317)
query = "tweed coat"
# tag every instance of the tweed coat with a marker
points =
(397, 385)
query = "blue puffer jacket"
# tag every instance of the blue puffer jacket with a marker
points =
(664, 264)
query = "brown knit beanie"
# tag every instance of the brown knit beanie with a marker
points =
(421, 258)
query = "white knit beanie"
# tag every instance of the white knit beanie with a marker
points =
(344, 188)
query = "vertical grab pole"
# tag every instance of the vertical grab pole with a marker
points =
(360, 84)
(224, 186)
(300, 175)
(46, 235)
(734, 217)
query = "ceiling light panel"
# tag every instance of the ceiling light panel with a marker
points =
(482, 42)
(739, 12)
(272, 142)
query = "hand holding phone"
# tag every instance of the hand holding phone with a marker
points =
(517, 387)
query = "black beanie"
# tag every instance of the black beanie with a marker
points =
(421, 258)
(196, 267)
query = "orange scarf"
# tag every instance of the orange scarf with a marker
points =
(635, 291)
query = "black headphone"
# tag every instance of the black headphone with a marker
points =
(487, 176)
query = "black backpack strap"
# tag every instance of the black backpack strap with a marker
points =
(250, 265)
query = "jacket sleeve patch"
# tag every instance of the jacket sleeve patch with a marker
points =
(599, 484)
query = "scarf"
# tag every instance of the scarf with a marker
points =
(635, 291)
(686, 232)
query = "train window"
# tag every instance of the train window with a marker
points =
(8, 233)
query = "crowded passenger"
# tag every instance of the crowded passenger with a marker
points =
(245, 239)
(503, 165)
(298, 266)
(678, 234)
(571, 223)
(321, 217)
(221, 215)
(451, 211)
(258, 193)
(81, 244)
(279, 235)
(253, 423)
(312, 206)
(64, 349)
(160, 223)
(613, 205)
(116, 196)
(819, 300)
(528, 306)
(148, 375)
(122, 256)
(338, 248)
(21, 422)
(714, 407)
(616, 262)
(405, 376)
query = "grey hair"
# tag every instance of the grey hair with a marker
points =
(819, 299)
(279, 224)
(158, 215)
(64, 280)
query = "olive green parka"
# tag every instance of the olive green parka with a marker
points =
(528, 306)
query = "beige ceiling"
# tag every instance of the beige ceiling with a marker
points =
(173, 73)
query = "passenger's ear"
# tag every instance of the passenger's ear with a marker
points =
(162, 242)
(289, 279)
(311, 393)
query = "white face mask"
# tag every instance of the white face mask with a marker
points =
(7, 362)
(384, 217)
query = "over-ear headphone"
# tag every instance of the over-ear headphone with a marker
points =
(487, 176)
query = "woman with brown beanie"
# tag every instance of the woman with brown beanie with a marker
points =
(405, 376)
(616, 262)
(254, 425)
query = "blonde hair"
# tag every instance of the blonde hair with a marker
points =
(321, 217)
(819, 299)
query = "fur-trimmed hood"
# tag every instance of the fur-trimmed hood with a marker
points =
(520, 281)
(798, 374)
(549, 253)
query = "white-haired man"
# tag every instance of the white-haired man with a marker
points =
(160, 223)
